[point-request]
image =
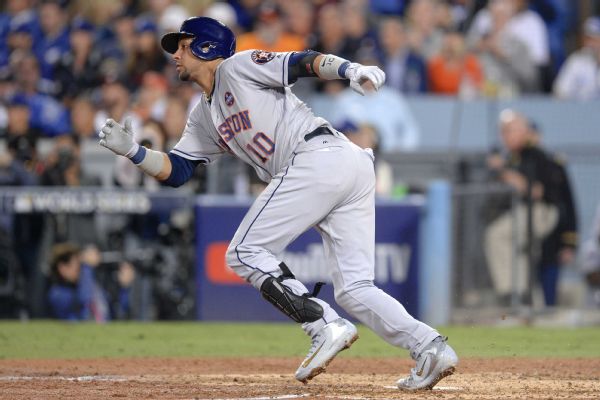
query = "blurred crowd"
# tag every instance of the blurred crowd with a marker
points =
(68, 65)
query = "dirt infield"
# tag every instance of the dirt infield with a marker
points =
(243, 378)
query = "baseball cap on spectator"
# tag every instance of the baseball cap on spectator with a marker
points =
(346, 127)
(22, 23)
(143, 25)
(81, 24)
(591, 27)
(223, 13)
(18, 100)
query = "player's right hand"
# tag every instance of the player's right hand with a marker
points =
(359, 75)
(118, 138)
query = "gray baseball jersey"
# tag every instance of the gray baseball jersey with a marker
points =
(325, 182)
(253, 112)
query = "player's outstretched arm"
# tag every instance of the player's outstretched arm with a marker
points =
(119, 139)
(329, 67)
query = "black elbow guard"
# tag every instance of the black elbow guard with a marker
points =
(300, 65)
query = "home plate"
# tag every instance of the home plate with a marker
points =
(440, 388)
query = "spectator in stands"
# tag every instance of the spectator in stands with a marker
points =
(152, 96)
(387, 112)
(75, 294)
(590, 262)
(224, 13)
(14, 170)
(558, 248)
(79, 70)
(454, 70)
(556, 15)
(579, 77)
(246, 11)
(361, 39)
(82, 118)
(525, 165)
(168, 14)
(387, 7)
(63, 165)
(270, 33)
(54, 44)
(174, 119)
(118, 45)
(47, 114)
(331, 33)
(19, 117)
(115, 101)
(147, 54)
(405, 69)
(424, 34)
(507, 66)
(21, 33)
(527, 26)
(299, 18)
(18, 16)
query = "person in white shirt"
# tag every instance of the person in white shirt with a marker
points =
(579, 77)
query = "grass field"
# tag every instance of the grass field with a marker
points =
(57, 340)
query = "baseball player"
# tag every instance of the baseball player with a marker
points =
(316, 178)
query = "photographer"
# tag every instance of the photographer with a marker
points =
(63, 168)
(75, 292)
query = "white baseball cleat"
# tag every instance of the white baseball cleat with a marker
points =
(435, 362)
(326, 344)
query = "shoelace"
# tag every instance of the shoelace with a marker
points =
(313, 345)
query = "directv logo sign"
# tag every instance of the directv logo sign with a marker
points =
(391, 263)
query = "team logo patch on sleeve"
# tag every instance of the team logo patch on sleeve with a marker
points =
(229, 100)
(262, 57)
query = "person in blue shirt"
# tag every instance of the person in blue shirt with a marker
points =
(405, 69)
(54, 43)
(74, 293)
(47, 114)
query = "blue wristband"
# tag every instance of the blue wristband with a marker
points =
(138, 157)
(342, 69)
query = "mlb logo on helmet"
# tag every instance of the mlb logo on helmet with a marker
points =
(229, 100)
(262, 57)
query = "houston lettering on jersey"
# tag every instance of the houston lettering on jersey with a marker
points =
(234, 124)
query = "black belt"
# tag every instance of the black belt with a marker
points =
(322, 130)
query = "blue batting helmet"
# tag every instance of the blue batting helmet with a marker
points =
(212, 39)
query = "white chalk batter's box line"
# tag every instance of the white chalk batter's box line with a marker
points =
(85, 378)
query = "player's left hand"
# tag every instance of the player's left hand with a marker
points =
(118, 138)
(361, 76)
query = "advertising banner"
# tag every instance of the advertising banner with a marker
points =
(222, 295)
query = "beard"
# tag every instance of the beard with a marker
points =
(184, 76)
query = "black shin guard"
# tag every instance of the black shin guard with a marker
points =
(299, 308)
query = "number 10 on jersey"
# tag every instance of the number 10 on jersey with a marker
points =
(262, 146)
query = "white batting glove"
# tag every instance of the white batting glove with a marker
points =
(358, 74)
(118, 139)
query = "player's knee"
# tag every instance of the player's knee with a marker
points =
(347, 295)
(231, 256)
